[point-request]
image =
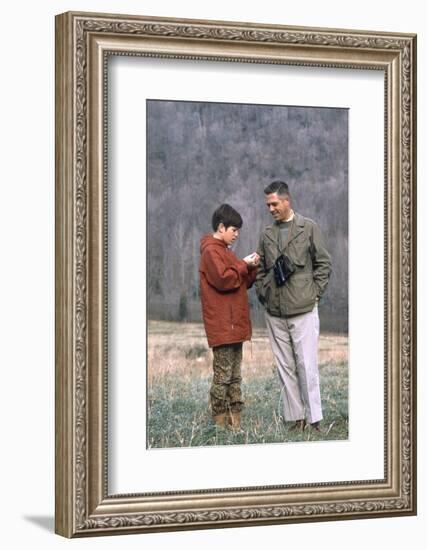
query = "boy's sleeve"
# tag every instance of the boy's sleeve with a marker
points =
(224, 277)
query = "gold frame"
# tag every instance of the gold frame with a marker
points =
(83, 42)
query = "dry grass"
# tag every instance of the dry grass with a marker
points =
(180, 349)
(179, 375)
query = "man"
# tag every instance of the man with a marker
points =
(292, 275)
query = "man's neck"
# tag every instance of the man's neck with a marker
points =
(289, 218)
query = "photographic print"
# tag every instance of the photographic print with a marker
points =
(223, 366)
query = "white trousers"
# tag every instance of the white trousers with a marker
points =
(294, 342)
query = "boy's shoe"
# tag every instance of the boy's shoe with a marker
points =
(220, 420)
(234, 418)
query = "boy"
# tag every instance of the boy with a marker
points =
(223, 283)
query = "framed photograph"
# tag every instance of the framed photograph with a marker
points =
(235, 274)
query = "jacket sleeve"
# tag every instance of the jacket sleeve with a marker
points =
(261, 272)
(321, 261)
(221, 276)
(252, 273)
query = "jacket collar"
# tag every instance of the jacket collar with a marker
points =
(272, 231)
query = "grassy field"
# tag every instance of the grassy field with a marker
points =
(179, 378)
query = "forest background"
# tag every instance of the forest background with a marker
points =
(200, 155)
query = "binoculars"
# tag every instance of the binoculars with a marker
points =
(283, 269)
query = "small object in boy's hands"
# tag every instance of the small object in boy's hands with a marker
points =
(252, 259)
(248, 259)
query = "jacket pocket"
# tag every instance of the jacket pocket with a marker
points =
(231, 318)
(298, 250)
(300, 291)
(262, 285)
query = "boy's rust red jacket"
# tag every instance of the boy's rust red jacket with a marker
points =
(223, 283)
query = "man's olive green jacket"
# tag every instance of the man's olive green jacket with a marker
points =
(306, 248)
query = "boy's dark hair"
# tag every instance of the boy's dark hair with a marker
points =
(227, 215)
(279, 187)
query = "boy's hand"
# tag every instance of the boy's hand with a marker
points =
(252, 260)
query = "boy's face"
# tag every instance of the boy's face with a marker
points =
(228, 235)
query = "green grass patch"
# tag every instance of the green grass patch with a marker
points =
(179, 415)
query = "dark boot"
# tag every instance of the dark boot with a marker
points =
(299, 426)
(316, 427)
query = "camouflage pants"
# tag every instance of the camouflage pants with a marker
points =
(226, 393)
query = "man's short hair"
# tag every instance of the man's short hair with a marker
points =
(227, 215)
(279, 187)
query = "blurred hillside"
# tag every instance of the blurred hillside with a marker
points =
(200, 155)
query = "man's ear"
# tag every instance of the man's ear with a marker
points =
(221, 227)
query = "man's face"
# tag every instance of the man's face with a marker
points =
(279, 207)
(228, 235)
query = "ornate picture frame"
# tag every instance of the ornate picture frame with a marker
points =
(84, 41)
